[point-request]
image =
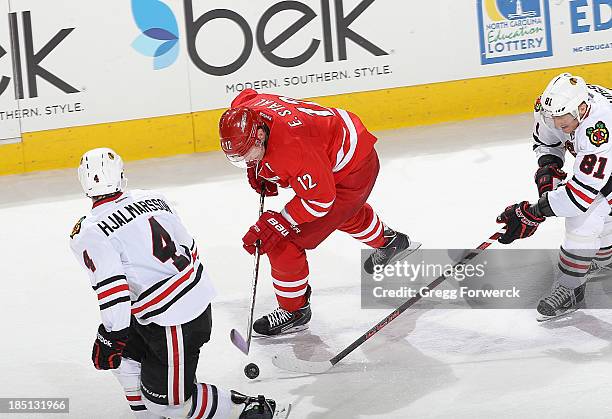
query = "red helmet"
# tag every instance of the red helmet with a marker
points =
(238, 133)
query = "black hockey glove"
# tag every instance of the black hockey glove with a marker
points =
(548, 177)
(108, 347)
(520, 220)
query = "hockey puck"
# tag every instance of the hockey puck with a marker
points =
(251, 371)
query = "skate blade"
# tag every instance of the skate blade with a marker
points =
(289, 331)
(414, 246)
(542, 318)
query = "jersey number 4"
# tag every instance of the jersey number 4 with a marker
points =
(164, 248)
(588, 165)
(88, 262)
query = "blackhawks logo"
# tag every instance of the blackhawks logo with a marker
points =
(598, 134)
(77, 228)
(538, 105)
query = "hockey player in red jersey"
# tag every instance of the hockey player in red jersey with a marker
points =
(575, 116)
(154, 295)
(327, 157)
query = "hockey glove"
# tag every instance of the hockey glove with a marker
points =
(256, 182)
(270, 229)
(548, 177)
(108, 348)
(520, 222)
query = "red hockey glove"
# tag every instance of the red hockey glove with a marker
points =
(520, 222)
(548, 177)
(108, 348)
(270, 229)
(256, 183)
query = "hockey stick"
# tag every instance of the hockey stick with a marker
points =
(291, 363)
(245, 344)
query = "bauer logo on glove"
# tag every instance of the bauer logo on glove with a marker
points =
(282, 230)
(269, 230)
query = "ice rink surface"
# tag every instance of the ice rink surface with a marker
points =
(443, 185)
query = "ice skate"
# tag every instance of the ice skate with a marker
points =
(561, 301)
(259, 407)
(283, 321)
(397, 246)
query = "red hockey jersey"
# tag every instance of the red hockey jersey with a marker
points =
(311, 148)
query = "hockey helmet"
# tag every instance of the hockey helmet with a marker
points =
(101, 172)
(238, 134)
(563, 95)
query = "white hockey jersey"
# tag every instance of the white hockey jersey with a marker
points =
(591, 146)
(141, 261)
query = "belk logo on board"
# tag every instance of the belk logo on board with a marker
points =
(513, 30)
(26, 74)
(159, 36)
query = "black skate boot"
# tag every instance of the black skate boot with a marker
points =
(397, 246)
(561, 301)
(283, 321)
(259, 407)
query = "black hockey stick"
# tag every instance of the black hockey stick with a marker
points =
(291, 363)
(241, 343)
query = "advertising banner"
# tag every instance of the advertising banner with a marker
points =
(78, 67)
(9, 129)
(69, 63)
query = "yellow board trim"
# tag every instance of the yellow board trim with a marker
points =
(133, 140)
(11, 159)
(379, 110)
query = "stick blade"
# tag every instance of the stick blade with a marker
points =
(291, 363)
(239, 342)
(282, 411)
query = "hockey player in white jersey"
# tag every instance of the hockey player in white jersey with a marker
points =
(154, 296)
(570, 115)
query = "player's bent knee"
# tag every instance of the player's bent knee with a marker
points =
(606, 235)
(289, 262)
(583, 232)
(577, 241)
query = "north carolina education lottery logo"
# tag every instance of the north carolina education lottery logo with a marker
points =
(598, 134)
(512, 30)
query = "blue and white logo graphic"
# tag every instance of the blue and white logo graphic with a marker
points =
(160, 35)
(513, 30)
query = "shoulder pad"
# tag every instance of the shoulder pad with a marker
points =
(77, 227)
